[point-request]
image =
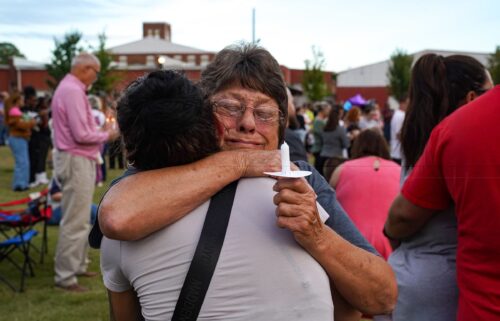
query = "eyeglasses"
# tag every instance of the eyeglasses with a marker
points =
(97, 72)
(235, 109)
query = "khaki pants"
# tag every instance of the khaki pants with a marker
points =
(77, 177)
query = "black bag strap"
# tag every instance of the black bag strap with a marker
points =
(206, 255)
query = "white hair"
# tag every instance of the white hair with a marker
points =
(84, 58)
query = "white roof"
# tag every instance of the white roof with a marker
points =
(153, 45)
(375, 75)
(23, 63)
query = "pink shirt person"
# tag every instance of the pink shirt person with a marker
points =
(75, 129)
(366, 188)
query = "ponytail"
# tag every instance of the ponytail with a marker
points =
(428, 104)
(438, 86)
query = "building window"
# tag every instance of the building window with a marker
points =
(157, 33)
(150, 60)
(178, 57)
(150, 32)
(191, 59)
(204, 60)
(122, 60)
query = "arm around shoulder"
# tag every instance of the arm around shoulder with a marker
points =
(145, 202)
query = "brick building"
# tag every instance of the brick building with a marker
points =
(156, 48)
(153, 51)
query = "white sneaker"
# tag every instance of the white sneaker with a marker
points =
(34, 184)
(41, 178)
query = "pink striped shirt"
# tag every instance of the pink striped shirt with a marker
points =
(75, 130)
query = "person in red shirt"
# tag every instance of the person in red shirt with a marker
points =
(461, 165)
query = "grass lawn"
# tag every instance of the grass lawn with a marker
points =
(41, 300)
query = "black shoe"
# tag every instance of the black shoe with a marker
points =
(20, 189)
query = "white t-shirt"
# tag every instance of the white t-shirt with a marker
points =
(262, 272)
(396, 125)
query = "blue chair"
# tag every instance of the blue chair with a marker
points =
(16, 242)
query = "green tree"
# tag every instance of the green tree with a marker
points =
(494, 65)
(108, 76)
(313, 81)
(8, 50)
(399, 73)
(62, 55)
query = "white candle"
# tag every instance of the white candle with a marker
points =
(285, 166)
(285, 158)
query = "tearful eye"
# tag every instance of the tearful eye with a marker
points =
(264, 114)
(231, 108)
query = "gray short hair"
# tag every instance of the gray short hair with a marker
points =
(84, 58)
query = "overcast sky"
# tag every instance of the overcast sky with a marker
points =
(349, 33)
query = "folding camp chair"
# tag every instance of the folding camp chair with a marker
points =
(16, 240)
(32, 210)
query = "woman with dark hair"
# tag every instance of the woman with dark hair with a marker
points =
(333, 138)
(367, 185)
(318, 126)
(425, 263)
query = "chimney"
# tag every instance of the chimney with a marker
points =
(159, 30)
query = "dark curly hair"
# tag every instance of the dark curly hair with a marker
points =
(164, 121)
(252, 67)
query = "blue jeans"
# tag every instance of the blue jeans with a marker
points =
(57, 215)
(3, 133)
(19, 147)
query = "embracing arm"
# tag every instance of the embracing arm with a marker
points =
(124, 306)
(143, 203)
(343, 311)
(405, 218)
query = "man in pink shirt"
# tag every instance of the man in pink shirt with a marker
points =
(76, 140)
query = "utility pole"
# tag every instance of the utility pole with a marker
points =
(253, 25)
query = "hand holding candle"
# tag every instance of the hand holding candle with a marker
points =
(285, 165)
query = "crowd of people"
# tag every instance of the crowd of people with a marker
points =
(397, 220)
(25, 126)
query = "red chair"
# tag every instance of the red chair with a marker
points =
(32, 210)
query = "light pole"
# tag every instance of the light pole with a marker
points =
(161, 62)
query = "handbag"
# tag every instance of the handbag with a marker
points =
(206, 255)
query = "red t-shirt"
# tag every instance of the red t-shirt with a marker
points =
(461, 164)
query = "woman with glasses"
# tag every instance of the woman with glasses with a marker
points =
(425, 263)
